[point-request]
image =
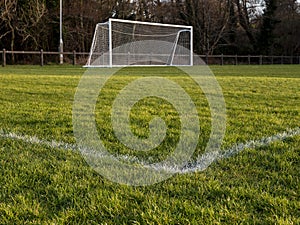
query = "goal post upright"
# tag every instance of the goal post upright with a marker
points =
(192, 46)
(92, 47)
(175, 45)
(110, 43)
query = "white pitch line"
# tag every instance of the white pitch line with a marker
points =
(36, 140)
(201, 164)
(211, 157)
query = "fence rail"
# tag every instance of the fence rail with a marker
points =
(42, 57)
(250, 59)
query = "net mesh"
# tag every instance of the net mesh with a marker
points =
(120, 43)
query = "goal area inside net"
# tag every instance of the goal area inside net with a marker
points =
(133, 43)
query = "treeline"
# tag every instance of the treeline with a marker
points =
(270, 27)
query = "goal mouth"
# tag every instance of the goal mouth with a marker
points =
(130, 43)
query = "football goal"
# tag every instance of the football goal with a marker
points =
(133, 43)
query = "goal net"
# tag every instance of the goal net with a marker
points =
(124, 43)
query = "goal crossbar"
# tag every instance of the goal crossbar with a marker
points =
(149, 23)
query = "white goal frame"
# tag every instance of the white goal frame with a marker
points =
(110, 50)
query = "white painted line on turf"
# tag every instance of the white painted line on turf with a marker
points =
(36, 140)
(200, 165)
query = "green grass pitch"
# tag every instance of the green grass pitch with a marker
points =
(40, 184)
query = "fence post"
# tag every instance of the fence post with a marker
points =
(74, 57)
(272, 60)
(206, 58)
(236, 59)
(42, 57)
(4, 57)
(260, 60)
(222, 59)
(292, 57)
(282, 59)
(249, 60)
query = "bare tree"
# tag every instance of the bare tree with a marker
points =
(227, 25)
(29, 18)
(21, 20)
(287, 32)
(80, 19)
(248, 14)
(8, 20)
(209, 19)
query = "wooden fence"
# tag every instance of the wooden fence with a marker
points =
(79, 58)
(249, 59)
(42, 57)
